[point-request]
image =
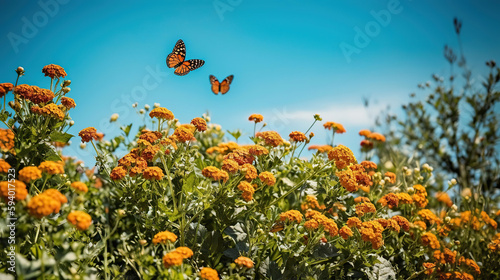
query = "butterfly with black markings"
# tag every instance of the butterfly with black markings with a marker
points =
(176, 60)
(278, 226)
(222, 87)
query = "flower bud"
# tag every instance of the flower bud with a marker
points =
(457, 242)
(420, 178)
(121, 212)
(411, 190)
(143, 242)
(382, 182)
(447, 219)
(71, 123)
(317, 117)
(425, 166)
(416, 169)
(114, 117)
(146, 107)
(408, 172)
(83, 146)
(142, 111)
(134, 105)
(20, 71)
(454, 207)
(66, 83)
(156, 105)
(453, 182)
(66, 89)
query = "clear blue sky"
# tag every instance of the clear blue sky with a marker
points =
(286, 56)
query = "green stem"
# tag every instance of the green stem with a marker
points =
(169, 182)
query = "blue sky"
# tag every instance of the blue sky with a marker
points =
(286, 56)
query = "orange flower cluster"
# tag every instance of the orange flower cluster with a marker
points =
(311, 203)
(420, 196)
(271, 138)
(428, 216)
(185, 252)
(321, 148)
(209, 274)
(361, 199)
(429, 268)
(267, 178)
(258, 150)
(80, 186)
(161, 113)
(364, 208)
(256, 118)
(199, 123)
(371, 231)
(118, 173)
(354, 222)
(291, 216)
(327, 224)
(244, 262)
(470, 263)
(34, 94)
(153, 173)
(6, 140)
(404, 198)
(54, 71)
(68, 102)
(173, 258)
(429, 239)
(467, 218)
(46, 203)
(366, 145)
(389, 224)
(376, 136)
(52, 167)
(342, 156)
(230, 166)
(250, 172)
(297, 136)
(495, 243)
(183, 134)
(444, 198)
(241, 156)
(347, 179)
(215, 173)
(164, 236)
(30, 173)
(50, 110)
(391, 200)
(445, 256)
(224, 148)
(454, 275)
(80, 219)
(345, 232)
(5, 88)
(150, 136)
(18, 187)
(247, 190)
(391, 176)
(337, 127)
(87, 134)
(402, 222)
(4, 166)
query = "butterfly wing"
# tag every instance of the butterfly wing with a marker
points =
(188, 65)
(278, 226)
(176, 57)
(215, 84)
(224, 85)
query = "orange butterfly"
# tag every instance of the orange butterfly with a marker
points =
(176, 60)
(221, 87)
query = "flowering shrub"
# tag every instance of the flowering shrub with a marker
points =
(186, 203)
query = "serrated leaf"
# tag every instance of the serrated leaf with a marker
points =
(236, 232)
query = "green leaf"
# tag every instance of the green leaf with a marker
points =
(236, 232)
(126, 129)
(4, 115)
(58, 136)
(236, 134)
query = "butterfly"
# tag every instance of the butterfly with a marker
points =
(176, 60)
(222, 87)
(278, 226)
